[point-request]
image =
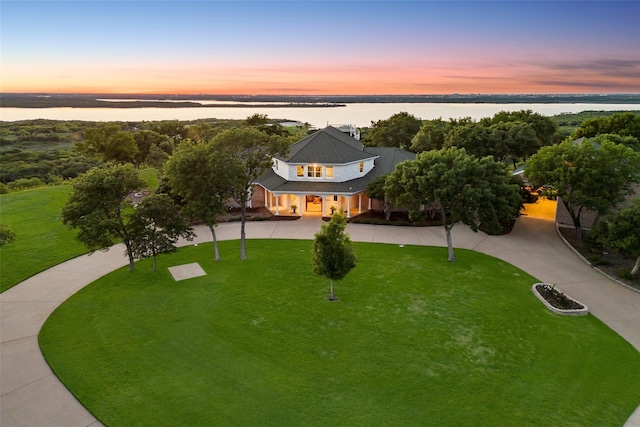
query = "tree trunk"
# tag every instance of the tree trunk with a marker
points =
(215, 242)
(243, 220)
(447, 230)
(452, 256)
(576, 219)
(129, 255)
(332, 297)
(636, 267)
(386, 207)
(154, 262)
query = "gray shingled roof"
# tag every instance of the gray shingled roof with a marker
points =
(385, 163)
(327, 146)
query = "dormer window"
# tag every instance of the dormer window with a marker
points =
(300, 171)
(361, 167)
(314, 171)
(329, 171)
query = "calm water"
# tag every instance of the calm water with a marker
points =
(358, 114)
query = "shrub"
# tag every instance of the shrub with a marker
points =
(25, 183)
(6, 235)
(4, 189)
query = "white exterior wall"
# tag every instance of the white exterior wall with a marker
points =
(341, 173)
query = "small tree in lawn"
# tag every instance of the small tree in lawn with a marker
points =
(157, 224)
(333, 254)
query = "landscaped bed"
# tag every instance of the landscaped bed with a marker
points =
(413, 340)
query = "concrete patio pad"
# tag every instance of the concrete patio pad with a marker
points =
(186, 271)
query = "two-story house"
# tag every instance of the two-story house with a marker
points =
(326, 171)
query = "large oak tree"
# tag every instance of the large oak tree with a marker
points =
(461, 187)
(99, 208)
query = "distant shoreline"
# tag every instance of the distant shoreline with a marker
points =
(51, 100)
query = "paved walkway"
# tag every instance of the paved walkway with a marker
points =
(32, 396)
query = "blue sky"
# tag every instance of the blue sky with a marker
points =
(352, 47)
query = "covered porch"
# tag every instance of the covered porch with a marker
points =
(321, 204)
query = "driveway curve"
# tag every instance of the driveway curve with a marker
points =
(31, 395)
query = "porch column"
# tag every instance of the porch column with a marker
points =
(360, 203)
(266, 193)
(348, 207)
(277, 203)
(369, 203)
(301, 205)
(270, 201)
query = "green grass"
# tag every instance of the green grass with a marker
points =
(413, 340)
(42, 241)
(150, 177)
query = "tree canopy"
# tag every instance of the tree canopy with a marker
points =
(99, 208)
(158, 225)
(396, 131)
(200, 177)
(461, 187)
(246, 153)
(623, 124)
(585, 176)
(333, 255)
(109, 143)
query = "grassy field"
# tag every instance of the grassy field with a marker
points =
(42, 241)
(413, 340)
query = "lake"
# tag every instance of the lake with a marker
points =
(359, 114)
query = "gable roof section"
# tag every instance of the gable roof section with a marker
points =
(388, 158)
(328, 146)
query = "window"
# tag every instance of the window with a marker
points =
(275, 163)
(314, 171)
(329, 171)
(361, 167)
(300, 171)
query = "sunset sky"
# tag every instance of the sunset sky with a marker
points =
(307, 47)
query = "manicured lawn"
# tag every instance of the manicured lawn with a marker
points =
(413, 340)
(42, 241)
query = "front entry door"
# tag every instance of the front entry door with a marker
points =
(313, 203)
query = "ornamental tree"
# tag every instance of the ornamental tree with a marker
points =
(99, 208)
(333, 254)
(586, 175)
(461, 187)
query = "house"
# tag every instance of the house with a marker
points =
(325, 171)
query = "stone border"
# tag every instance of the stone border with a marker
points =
(574, 312)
